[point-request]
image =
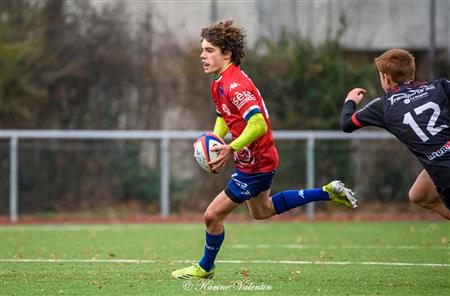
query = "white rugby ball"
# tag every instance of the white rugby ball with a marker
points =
(202, 149)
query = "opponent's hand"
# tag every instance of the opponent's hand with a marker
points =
(225, 155)
(356, 95)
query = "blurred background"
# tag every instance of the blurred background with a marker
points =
(134, 65)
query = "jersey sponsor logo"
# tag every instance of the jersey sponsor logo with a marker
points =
(241, 98)
(234, 85)
(411, 95)
(443, 150)
(395, 98)
(226, 110)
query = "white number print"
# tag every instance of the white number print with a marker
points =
(431, 128)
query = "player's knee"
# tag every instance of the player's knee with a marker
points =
(422, 199)
(210, 218)
(259, 215)
(415, 197)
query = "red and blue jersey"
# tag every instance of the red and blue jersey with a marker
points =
(237, 99)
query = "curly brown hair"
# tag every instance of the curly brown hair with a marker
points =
(228, 38)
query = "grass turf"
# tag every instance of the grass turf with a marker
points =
(259, 247)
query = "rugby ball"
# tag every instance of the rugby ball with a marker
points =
(202, 149)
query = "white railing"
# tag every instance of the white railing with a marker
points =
(15, 136)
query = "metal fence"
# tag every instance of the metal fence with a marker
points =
(165, 137)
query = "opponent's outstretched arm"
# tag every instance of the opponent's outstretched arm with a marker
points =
(348, 122)
(371, 114)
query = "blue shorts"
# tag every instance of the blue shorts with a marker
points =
(243, 186)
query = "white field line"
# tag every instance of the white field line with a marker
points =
(226, 262)
(371, 247)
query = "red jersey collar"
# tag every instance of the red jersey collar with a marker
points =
(218, 77)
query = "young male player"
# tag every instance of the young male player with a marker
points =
(240, 110)
(417, 113)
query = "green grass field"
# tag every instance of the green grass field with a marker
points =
(303, 258)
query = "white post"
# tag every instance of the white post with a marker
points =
(165, 177)
(13, 171)
(310, 173)
(432, 39)
(214, 11)
(448, 31)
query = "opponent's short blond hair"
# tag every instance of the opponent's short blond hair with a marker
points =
(397, 63)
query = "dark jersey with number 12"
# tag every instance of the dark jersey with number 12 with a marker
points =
(417, 113)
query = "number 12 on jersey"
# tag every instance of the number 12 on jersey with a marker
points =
(432, 129)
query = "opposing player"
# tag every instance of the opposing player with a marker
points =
(240, 110)
(417, 113)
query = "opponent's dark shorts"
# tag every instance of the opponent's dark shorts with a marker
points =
(243, 186)
(441, 179)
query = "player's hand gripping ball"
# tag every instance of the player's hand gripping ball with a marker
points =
(202, 153)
